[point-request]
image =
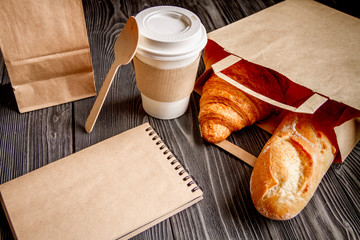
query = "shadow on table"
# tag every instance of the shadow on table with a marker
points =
(7, 98)
(5, 230)
(113, 114)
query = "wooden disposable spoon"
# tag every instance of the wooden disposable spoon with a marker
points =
(125, 48)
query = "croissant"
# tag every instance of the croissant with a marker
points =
(225, 108)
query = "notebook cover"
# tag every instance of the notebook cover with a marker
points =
(113, 189)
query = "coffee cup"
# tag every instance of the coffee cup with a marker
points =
(167, 59)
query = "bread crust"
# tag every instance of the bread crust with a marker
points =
(225, 109)
(291, 166)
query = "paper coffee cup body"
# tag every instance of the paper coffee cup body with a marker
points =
(166, 62)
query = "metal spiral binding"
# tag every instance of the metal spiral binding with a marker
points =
(173, 159)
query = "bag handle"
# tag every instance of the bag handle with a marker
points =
(309, 106)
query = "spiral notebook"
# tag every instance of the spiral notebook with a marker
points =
(114, 189)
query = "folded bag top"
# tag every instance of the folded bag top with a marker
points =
(311, 44)
(46, 52)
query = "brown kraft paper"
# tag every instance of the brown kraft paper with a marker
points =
(313, 45)
(46, 52)
(165, 85)
(114, 189)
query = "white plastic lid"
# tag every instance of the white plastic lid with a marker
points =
(170, 33)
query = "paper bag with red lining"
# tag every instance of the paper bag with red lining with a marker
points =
(311, 44)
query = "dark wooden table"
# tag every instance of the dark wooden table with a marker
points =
(31, 140)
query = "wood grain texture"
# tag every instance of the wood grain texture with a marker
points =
(31, 140)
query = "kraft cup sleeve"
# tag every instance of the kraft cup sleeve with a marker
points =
(165, 85)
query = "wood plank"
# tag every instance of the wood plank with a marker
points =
(103, 28)
(122, 108)
(31, 140)
(348, 174)
(227, 206)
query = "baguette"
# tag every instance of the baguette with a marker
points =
(293, 162)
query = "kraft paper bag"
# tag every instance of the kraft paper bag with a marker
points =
(316, 47)
(46, 52)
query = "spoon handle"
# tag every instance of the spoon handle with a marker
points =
(94, 113)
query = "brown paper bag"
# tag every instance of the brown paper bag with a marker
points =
(313, 45)
(46, 52)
